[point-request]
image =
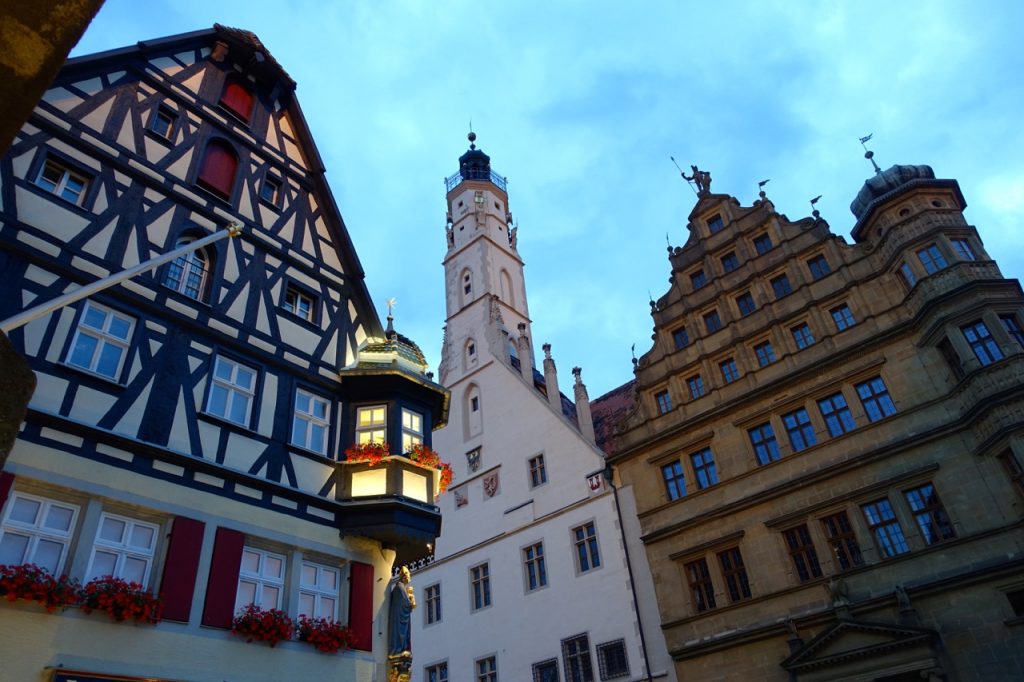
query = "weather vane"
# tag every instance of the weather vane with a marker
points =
(815, 212)
(391, 303)
(868, 154)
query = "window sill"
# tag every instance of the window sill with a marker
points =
(184, 298)
(274, 205)
(157, 137)
(311, 325)
(85, 208)
(311, 454)
(223, 421)
(110, 381)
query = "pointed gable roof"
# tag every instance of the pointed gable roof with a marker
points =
(847, 640)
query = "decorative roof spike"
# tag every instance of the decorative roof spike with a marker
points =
(868, 154)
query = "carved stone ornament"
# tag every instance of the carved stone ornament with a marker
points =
(491, 485)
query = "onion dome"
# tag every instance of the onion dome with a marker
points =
(886, 184)
(474, 164)
(395, 351)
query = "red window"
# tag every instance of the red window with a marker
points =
(220, 164)
(237, 99)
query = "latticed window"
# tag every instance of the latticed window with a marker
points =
(480, 583)
(299, 303)
(875, 398)
(260, 579)
(885, 527)
(801, 551)
(765, 353)
(963, 249)
(818, 267)
(437, 672)
(704, 468)
(432, 599)
(730, 262)
(931, 258)
(588, 555)
(412, 429)
(715, 224)
(311, 422)
(907, 273)
(487, 669)
(232, 391)
(675, 481)
(698, 279)
(576, 654)
(60, 179)
(1012, 328)
(538, 474)
(836, 414)
(611, 660)
(745, 303)
(842, 540)
(101, 340)
(735, 574)
(929, 513)
(762, 437)
(546, 671)
(371, 424)
(36, 530)
(124, 548)
(781, 286)
(762, 244)
(802, 335)
(984, 346)
(319, 587)
(712, 322)
(799, 428)
(533, 565)
(680, 338)
(843, 317)
(187, 273)
(702, 592)
(696, 386)
(729, 371)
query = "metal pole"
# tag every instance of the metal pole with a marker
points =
(34, 313)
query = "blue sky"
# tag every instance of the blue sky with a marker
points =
(580, 105)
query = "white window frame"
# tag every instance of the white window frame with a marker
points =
(373, 430)
(299, 303)
(488, 671)
(318, 591)
(36, 531)
(104, 339)
(412, 429)
(310, 421)
(234, 390)
(197, 261)
(259, 579)
(60, 187)
(124, 550)
(440, 671)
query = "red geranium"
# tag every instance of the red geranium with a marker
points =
(121, 600)
(263, 625)
(421, 454)
(367, 452)
(326, 635)
(31, 582)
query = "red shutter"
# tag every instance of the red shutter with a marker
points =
(6, 481)
(220, 163)
(223, 583)
(181, 568)
(238, 99)
(360, 605)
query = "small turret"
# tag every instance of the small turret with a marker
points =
(551, 379)
(583, 415)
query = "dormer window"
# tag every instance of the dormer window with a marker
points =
(715, 224)
(238, 99)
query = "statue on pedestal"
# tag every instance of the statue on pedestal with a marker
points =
(402, 602)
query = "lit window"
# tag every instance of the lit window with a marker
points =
(123, 548)
(487, 669)
(715, 224)
(984, 346)
(730, 262)
(270, 190)
(58, 178)
(781, 286)
(698, 279)
(538, 473)
(801, 551)
(432, 599)
(802, 335)
(319, 587)
(729, 371)
(696, 386)
(664, 402)
(842, 540)
(231, 391)
(101, 341)
(843, 317)
(681, 338)
(735, 574)
(702, 592)
(1012, 328)
(37, 531)
(836, 414)
(876, 400)
(162, 123)
(766, 449)
(765, 353)
(587, 555)
(260, 579)
(675, 480)
(533, 566)
(546, 671)
(576, 654)
(219, 168)
(745, 303)
(412, 429)
(298, 302)
(704, 468)
(480, 584)
(963, 249)
(907, 273)
(310, 423)
(712, 321)
(437, 672)
(187, 273)
(762, 244)
(931, 259)
(930, 515)
(885, 527)
(799, 429)
(611, 660)
(371, 424)
(818, 267)
(237, 98)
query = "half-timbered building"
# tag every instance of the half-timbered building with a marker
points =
(187, 426)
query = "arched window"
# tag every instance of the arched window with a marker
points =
(466, 286)
(188, 274)
(237, 98)
(220, 165)
(506, 288)
(470, 356)
(473, 412)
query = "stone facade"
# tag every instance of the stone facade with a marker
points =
(827, 442)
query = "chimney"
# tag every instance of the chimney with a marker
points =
(551, 379)
(583, 407)
(525, 354)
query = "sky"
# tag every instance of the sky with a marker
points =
(581, 104)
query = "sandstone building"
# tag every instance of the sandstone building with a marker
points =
(828, 442)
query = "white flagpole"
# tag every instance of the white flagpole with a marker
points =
(34, 313)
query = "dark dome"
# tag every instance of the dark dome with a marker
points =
(474, 164)
(887, 182)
